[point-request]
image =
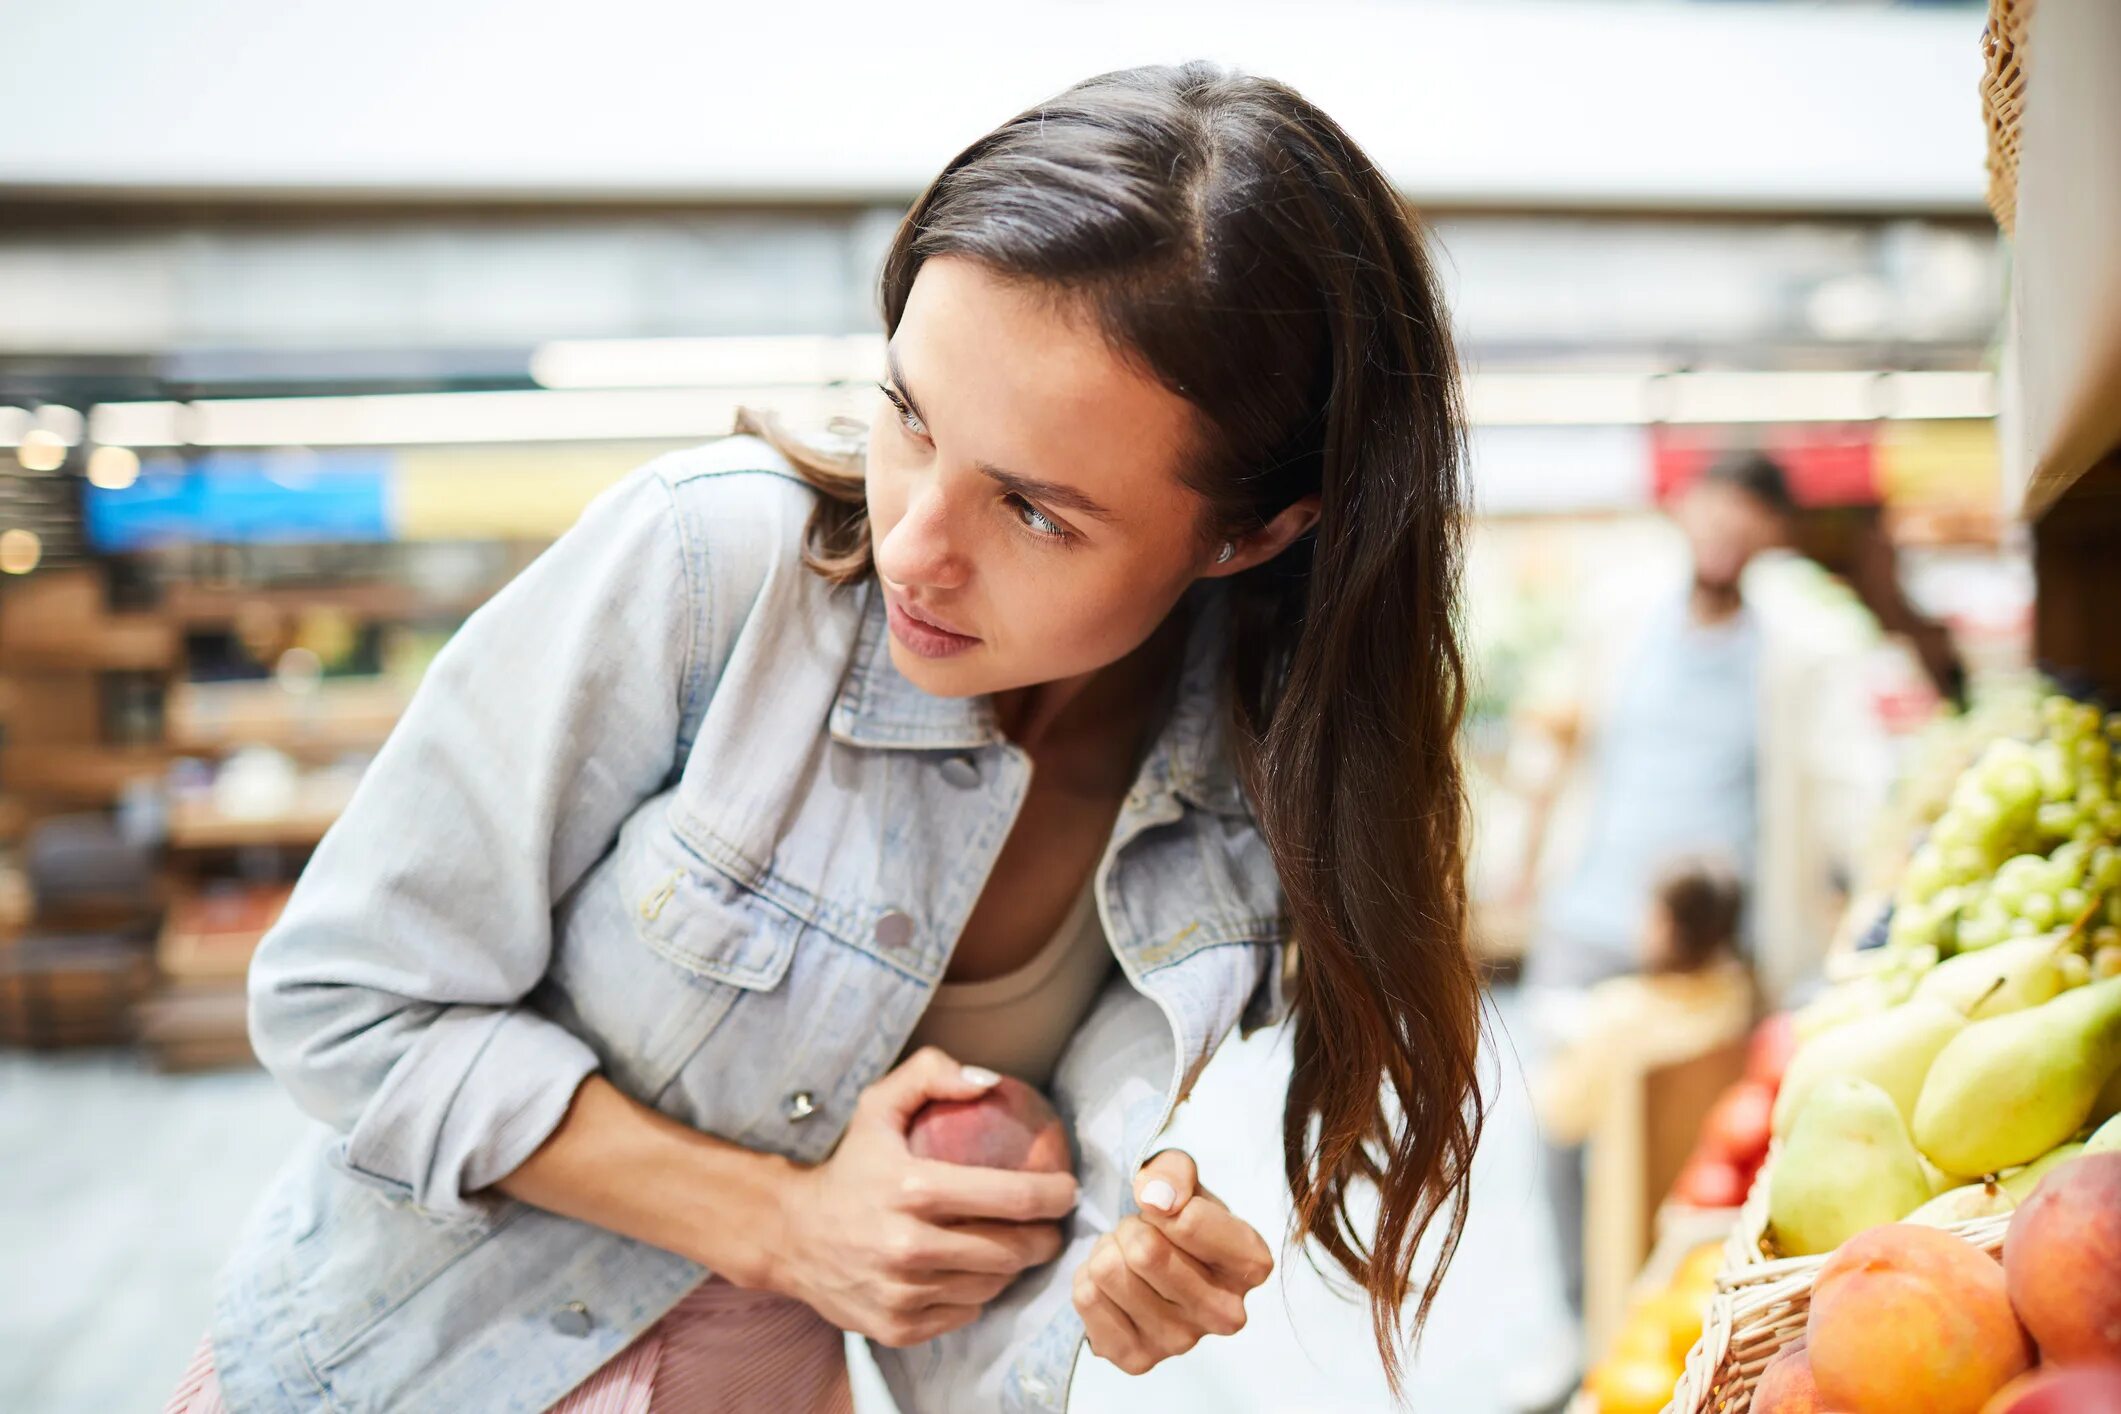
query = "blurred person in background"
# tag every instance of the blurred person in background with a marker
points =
(1666, 713)
(606, 987)
(1656, 739)
(1691, 992)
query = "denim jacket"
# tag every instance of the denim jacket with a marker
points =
(664, 808)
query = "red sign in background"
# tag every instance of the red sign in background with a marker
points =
(1827, 463)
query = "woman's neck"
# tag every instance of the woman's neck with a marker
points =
(1093, 712)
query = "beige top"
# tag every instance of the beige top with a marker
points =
(1631, 1023)
(1018, 1022)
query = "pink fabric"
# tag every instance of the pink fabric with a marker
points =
(722, 1350)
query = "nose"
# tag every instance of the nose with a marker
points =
(920, 548)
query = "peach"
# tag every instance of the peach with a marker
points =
(1907, 1317)
(2062, 1261)
(1786, 1386)
(1008, 1126)
(2079, 1389)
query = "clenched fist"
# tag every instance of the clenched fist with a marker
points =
(1153, 1286)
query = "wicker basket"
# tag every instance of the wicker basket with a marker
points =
(2002, 99)
(1761, 1307)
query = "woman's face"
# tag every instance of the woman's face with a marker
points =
(1023, 491)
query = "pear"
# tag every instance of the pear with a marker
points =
(1964, 1204)
(2106, 1139)
(2007, 1089)
(2012, 976)
(1941, 1182)
(2109, 1102)
(1840, 1004)
(1892, 1050)
(2020, 1183)
(1847, 1165)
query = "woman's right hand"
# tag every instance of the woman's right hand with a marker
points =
(902, 1249)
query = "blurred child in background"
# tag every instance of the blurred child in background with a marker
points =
(1693, 991)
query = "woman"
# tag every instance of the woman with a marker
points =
(1141, 590)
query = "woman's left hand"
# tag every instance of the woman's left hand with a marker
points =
(1157, 1283)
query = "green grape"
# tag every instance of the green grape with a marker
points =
(1981, 932)
(2055, 782)
(2057, 819)
(2071, 902)
(1925, 872)
(2040, 908)
(2015, 783)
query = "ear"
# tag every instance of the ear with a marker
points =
(1272, 538)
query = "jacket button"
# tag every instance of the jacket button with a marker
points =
(571, 1319)
(961, 771)
(894, 929)
(801, 1105)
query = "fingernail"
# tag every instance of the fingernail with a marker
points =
(1157, 1194)
(979, 1075)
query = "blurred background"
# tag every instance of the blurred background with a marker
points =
(317, 323)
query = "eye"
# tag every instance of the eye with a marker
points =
(1036, 520)
(906, 419)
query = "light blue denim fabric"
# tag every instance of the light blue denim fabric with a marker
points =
(643, 816)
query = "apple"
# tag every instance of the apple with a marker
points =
(1008, 1126)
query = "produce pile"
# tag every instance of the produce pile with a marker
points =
(1736, 1132)
(1637, 1374)
(1906, 1317)
(1981, 1045)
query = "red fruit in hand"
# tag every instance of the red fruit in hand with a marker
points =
(1009, 1126)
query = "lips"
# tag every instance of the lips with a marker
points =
(913, 613)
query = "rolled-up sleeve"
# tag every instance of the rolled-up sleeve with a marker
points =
(388, 997)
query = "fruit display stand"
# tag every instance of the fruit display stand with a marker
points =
(1633, 1156)
(1761, 1308)
(2002, 923)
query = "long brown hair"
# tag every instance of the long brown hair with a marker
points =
(1231, 241)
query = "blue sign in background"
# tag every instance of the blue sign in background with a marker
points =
(234, 497)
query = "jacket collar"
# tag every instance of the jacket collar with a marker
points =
(878, 706)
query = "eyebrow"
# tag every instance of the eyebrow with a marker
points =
(1053, 493)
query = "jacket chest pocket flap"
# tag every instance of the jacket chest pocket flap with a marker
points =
(703, 921)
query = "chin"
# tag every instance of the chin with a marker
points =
(939, 677)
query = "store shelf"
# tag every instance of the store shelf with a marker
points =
(78, 774)
(210, 932)
(201, 605)
(351, 714)
(198, 825)
(118, 644)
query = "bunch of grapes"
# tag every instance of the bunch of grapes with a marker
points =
(2002, 705)
(2028, 842)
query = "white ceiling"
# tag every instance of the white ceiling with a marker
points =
(1726, 106)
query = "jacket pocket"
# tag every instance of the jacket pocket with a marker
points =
(696, 917)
